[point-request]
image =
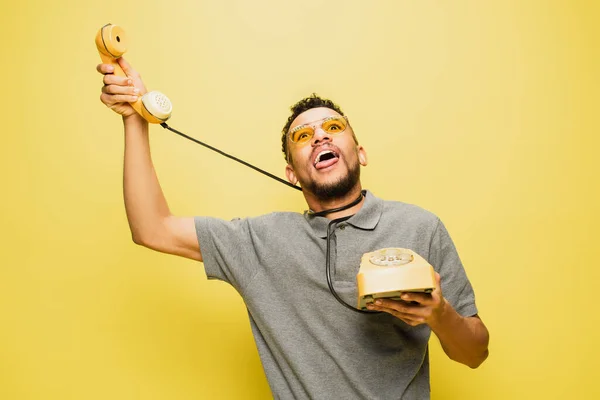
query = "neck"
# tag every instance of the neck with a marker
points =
(317, 205)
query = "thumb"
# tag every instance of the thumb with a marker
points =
(127, 68)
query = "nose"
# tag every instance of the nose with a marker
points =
(320, 136)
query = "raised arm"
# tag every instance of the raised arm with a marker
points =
(151, 223)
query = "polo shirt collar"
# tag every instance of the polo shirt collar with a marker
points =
(366, 218)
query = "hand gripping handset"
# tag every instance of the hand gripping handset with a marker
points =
(389, 272)
(111, 42)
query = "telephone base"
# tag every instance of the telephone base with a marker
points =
(387, 273)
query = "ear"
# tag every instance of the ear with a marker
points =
(362, 156)
(290, 174)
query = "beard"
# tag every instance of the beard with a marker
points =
(333, 190)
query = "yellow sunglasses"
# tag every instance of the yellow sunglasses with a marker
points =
(331, 125)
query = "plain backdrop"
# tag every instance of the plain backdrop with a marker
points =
(483, 112)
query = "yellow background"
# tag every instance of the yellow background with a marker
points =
(485, 113)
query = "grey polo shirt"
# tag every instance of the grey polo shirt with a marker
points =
(311, 347)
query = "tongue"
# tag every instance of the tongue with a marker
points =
(326, 163)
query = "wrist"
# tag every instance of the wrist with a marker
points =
(134, 121)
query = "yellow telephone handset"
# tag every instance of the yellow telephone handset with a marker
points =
(111, 42)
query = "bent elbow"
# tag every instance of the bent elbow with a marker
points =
(137, 239)
(478, 361)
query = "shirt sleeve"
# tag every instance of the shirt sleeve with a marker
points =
(456, 287)
(228, 251)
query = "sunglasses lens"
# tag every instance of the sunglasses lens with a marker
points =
(302, 135)
(334, 125)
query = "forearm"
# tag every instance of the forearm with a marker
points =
(145, 203)
(464, 339)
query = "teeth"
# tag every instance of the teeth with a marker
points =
(321, 154)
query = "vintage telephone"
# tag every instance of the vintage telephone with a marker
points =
(384, 273)
(389, 272)
(111, 43)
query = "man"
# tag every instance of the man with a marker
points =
(310, 345)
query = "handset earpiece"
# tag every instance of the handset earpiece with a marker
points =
(111, 43)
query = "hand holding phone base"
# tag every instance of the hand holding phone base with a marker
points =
(111, 43)
(387, 273)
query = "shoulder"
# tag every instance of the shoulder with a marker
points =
(275, 218)
(409, 213)
(266, 219)
(251, 229)
(272, 221)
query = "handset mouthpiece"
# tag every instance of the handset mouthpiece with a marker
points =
(158, 105)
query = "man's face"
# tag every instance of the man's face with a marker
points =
(327, 165)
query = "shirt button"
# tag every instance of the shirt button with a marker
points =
(342, 227)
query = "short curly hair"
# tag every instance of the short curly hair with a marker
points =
(313, 101)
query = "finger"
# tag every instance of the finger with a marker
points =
(127, 68)
(398, 305)
(117, 80)
(421, 298)
(410, 319)
(437, 292)
(438, 282)
(116, 89)
(105, 68)
(110, 100)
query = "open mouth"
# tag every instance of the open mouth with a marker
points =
(326, 158)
